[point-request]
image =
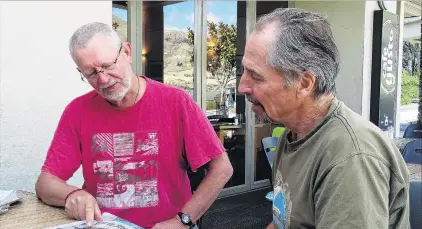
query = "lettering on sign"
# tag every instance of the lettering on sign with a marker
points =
(388, 71)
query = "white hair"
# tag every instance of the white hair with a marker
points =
(83, 35)
(304, 42)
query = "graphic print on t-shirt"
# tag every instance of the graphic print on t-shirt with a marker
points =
(282, 205)
(102, 143)
(149, 146)
(127, 171)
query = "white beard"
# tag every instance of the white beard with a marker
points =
(118, 95)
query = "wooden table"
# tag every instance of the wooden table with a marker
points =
(31, 213)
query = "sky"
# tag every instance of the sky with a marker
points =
(181, 15)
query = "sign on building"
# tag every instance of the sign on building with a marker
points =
(385, 50)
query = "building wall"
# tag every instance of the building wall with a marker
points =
(37, 80)
(351, 23)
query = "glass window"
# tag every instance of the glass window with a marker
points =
(119, 20)
(167, 50)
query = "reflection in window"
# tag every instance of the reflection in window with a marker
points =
(221, 102)
(119, 21)
(221, 57)
(178, 51)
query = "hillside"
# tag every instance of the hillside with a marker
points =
(178, 70)
(122, 28)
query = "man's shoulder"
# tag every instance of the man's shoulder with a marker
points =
(167, 91)
(350, 134)
(353, 127)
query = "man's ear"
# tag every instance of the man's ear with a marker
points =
(305, 84)
(127, 49)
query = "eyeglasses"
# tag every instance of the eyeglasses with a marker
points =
(105, 67)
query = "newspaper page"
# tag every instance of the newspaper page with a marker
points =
(109, 222)
(7, 198)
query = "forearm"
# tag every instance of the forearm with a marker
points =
(52, 190)
(270, 226)
(217, 176)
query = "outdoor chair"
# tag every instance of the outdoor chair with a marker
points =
(412, 131)
(415, 197)
(269, 144)
(278, 131)
(412, 152)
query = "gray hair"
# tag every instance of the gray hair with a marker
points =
(83, 35)
(304, 43)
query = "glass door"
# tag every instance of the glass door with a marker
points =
(221, 96)
(198, 46)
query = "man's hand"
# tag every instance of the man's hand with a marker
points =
(81, 205)
(173, 223)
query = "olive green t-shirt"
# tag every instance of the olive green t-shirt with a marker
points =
(344, 174)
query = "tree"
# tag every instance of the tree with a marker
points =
(409, 88)
(115, 25)
(221, 53)
(411, 57)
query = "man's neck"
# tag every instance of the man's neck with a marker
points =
(134, 94)
(309, 115)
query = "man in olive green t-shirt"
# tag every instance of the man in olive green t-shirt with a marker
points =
(333, 169)
(344, 174)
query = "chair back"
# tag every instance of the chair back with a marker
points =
(415, 199)
(278, 131)
(269, 144)
(412, 152)
(412, 131)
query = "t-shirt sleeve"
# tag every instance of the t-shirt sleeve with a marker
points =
(64, 154)
(201, 143)
(355, 194)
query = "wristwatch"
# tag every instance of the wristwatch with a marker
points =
(186, 220)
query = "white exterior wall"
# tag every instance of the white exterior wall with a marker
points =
(37, 80)
(412, 30)
(352, 25)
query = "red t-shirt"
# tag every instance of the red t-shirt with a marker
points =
(132, 160)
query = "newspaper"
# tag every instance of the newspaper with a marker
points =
(110, 221)
(6, 199)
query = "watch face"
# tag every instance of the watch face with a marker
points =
(185, 219)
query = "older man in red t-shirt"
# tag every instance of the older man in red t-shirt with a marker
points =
(135, 139)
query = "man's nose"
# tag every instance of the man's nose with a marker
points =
(244, 88)
(102, 77)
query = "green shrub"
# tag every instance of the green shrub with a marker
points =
(409, 88)
(211, 105)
